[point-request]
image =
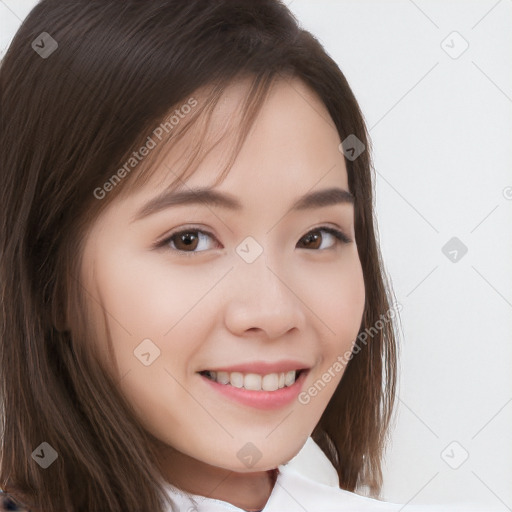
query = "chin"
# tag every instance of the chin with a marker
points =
(280, 454)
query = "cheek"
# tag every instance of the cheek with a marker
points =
(338, 300)
(339, 304)
(145, 307)
(153, 309)
(148, 296)
(351, 303)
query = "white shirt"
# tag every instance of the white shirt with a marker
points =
(299, 489)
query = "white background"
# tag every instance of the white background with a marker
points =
(441, 129)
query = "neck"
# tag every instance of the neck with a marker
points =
(248, 491)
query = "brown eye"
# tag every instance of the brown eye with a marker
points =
(313, 239)
(187, 241)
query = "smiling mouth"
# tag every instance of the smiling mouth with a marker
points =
(254, 381)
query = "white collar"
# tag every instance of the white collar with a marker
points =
(307, 482)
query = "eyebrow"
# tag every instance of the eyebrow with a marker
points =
(210, 197)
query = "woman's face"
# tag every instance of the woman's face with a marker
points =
(251, 292)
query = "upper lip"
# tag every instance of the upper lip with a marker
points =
(262, 367)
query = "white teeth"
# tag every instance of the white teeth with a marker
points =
(254, 381)
(222, 377)
(289, 378)
(270, 382)
(236, 379)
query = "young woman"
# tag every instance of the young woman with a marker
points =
(193, 303)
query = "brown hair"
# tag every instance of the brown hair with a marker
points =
(70, 119)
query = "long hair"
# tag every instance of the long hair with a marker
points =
(84, 84)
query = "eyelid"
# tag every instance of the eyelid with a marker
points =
(336, 232)
(163, 242)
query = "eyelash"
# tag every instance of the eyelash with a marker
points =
(339, 235)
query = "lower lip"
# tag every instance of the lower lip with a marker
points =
(265, 400)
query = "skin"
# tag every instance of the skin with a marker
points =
(214, 309)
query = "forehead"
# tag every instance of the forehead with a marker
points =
(292, 146)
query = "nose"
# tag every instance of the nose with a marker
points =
(263, 299)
